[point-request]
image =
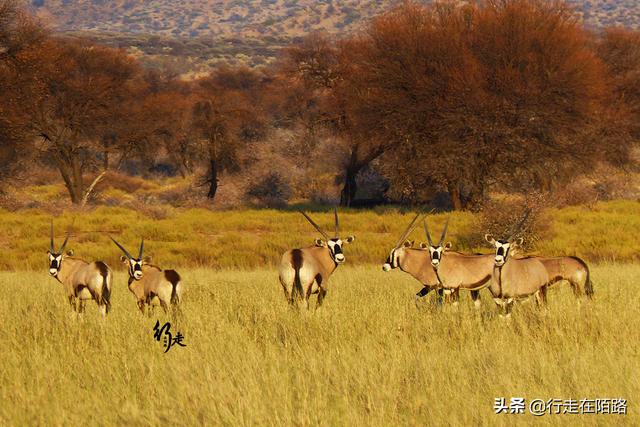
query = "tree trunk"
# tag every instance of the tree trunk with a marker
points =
(72, 176)
(213, 169)
(456, 197)
(213, 178)
(350, 187)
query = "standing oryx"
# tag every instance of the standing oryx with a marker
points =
(416, 262)
(305, 271)
(570, 268)
(454, 270)
(515, 278)
(81, 280)
(150, 284)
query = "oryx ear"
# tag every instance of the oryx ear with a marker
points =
(70, 252)
(319, 242)
(447, 246)
(489, 238)
(350, 239)
(519, 241)
(146, 260)
(408, 243)
(124, 259)
(49, 253)
(423, 245)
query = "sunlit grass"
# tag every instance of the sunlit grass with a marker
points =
(257, 238)
(368, 357)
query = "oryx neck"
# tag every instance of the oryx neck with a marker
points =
(67, 267)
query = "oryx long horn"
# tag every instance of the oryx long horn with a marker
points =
(444, 232)
(141, 248)
(52, 249)
(517, 228)
(64, 244)
(121, 248)
(335, 214)
(426, 230)
(408, 230)
(316, 226)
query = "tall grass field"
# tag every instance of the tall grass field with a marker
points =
(369, 356)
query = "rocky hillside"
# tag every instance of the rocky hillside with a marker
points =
(259, 18)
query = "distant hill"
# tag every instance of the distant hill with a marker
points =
(257, 18)
(191, 35)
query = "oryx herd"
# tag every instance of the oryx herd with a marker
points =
(508, 277)
(305, 271)
(83, 280)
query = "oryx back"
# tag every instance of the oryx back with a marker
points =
(572, 269)
(460, 271)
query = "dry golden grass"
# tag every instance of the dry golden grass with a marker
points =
(240, 239)
(368, 357)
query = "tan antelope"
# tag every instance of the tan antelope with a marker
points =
(570, 268)
(415, 262)
(82, 280)
(454, 270)
(305, 271)
(515, 278)
(150, 284)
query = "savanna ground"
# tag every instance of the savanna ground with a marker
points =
(368, 357)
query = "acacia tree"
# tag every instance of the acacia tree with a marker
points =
(482, 94)
(20, 34)
(227, 116)
(325, 76)
(620, 50)
(77, 91)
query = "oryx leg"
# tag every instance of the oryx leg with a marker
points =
(577, 289)
(541, 297)
(288, 295)
(163, 304)
(140, 303)
(455, 297)
(80, 304)
(321, 294)
(508, 307)
(102, 308)
(475, 297)
(440, 297)
(321, 291)
(307, 295)
(423, 292)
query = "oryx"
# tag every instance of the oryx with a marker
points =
(305, 271)
(570, 268)
(454, 270)
(515, 278)
(150, 284)
(415, 262)
(81, 280)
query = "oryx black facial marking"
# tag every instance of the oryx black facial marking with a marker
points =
(134, 264)
(335, 247)
(393, 260)
(55, 258)
(436, 250)
(503, 248)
